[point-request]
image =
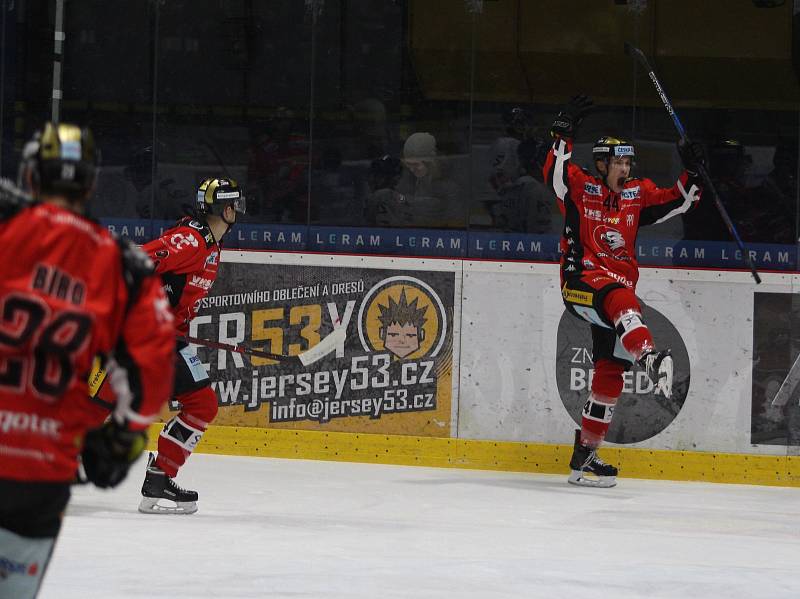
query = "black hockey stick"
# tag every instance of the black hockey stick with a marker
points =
(709, 185)
(319, 351)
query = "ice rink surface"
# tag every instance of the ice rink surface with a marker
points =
(296, 529)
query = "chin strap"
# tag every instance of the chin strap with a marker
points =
(228, 227)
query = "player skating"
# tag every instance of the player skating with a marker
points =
(599, 271)
(68, 291)
(187, 258)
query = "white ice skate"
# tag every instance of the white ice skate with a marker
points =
(658, 366)
(588, 470)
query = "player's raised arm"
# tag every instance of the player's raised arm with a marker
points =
(660, 204)
(558, 169)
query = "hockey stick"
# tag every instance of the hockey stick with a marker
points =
(788, 386)
(306, 358)
(11, 194)
(709, 185)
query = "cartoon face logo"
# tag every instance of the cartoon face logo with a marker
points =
(611, 239)
(402, 326)
(402, 316)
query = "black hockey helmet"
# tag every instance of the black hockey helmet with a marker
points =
(214, 195)
(607, 146)
(517, 119)
(60, 159)
(517, 116)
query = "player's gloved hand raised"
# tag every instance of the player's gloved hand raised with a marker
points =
(571, 116)
(109, 451)
(692, 155)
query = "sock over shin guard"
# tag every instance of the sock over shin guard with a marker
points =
(183, 432)
(599, 408)
(624, 310)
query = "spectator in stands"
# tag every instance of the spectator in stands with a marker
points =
(370, 135)
(521, 203)
(126, 192)
(777, 197)
(424, 195)
(727, 162)
(337, 191)
(542, 215)
(277, 171)
(519, 124)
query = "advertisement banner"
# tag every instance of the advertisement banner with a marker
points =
(392, 373)
(526, 363)
(641, 412)
(495, 245)
(776, 370)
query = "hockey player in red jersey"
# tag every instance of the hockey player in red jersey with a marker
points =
(68, 291)
(187, 257)
(599, 271)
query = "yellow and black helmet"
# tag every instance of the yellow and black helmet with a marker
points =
(214, 195)
(607, 146)
(60, 159)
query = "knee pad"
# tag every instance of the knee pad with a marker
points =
(607, 380)
(623, 308)
(619, 301)
(199, 408)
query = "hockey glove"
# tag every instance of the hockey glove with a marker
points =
(109, 452)
(571, 116)
(692, 155)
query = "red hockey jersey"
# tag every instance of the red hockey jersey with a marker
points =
(600, 226)
(187, 258)
(70, 291)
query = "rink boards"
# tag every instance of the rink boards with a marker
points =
(488, 370)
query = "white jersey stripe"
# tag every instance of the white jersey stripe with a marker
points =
(559, 169)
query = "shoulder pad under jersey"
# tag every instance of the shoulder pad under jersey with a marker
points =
(12, 199)
(203, 229)
(136, 266)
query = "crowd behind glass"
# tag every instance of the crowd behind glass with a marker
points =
(333, 113)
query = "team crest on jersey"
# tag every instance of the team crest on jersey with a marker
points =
(212, 258)
(630, 194)
(606, 237)
(404, 316)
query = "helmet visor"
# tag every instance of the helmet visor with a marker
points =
(233, 198)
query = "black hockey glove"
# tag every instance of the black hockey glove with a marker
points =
(571, 116)
(692, 155)
(109, 452)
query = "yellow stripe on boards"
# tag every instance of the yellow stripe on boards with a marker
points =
(492, 455)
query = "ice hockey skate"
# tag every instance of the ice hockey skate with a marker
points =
(658, 366)
(588, 470)
(160, 494)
